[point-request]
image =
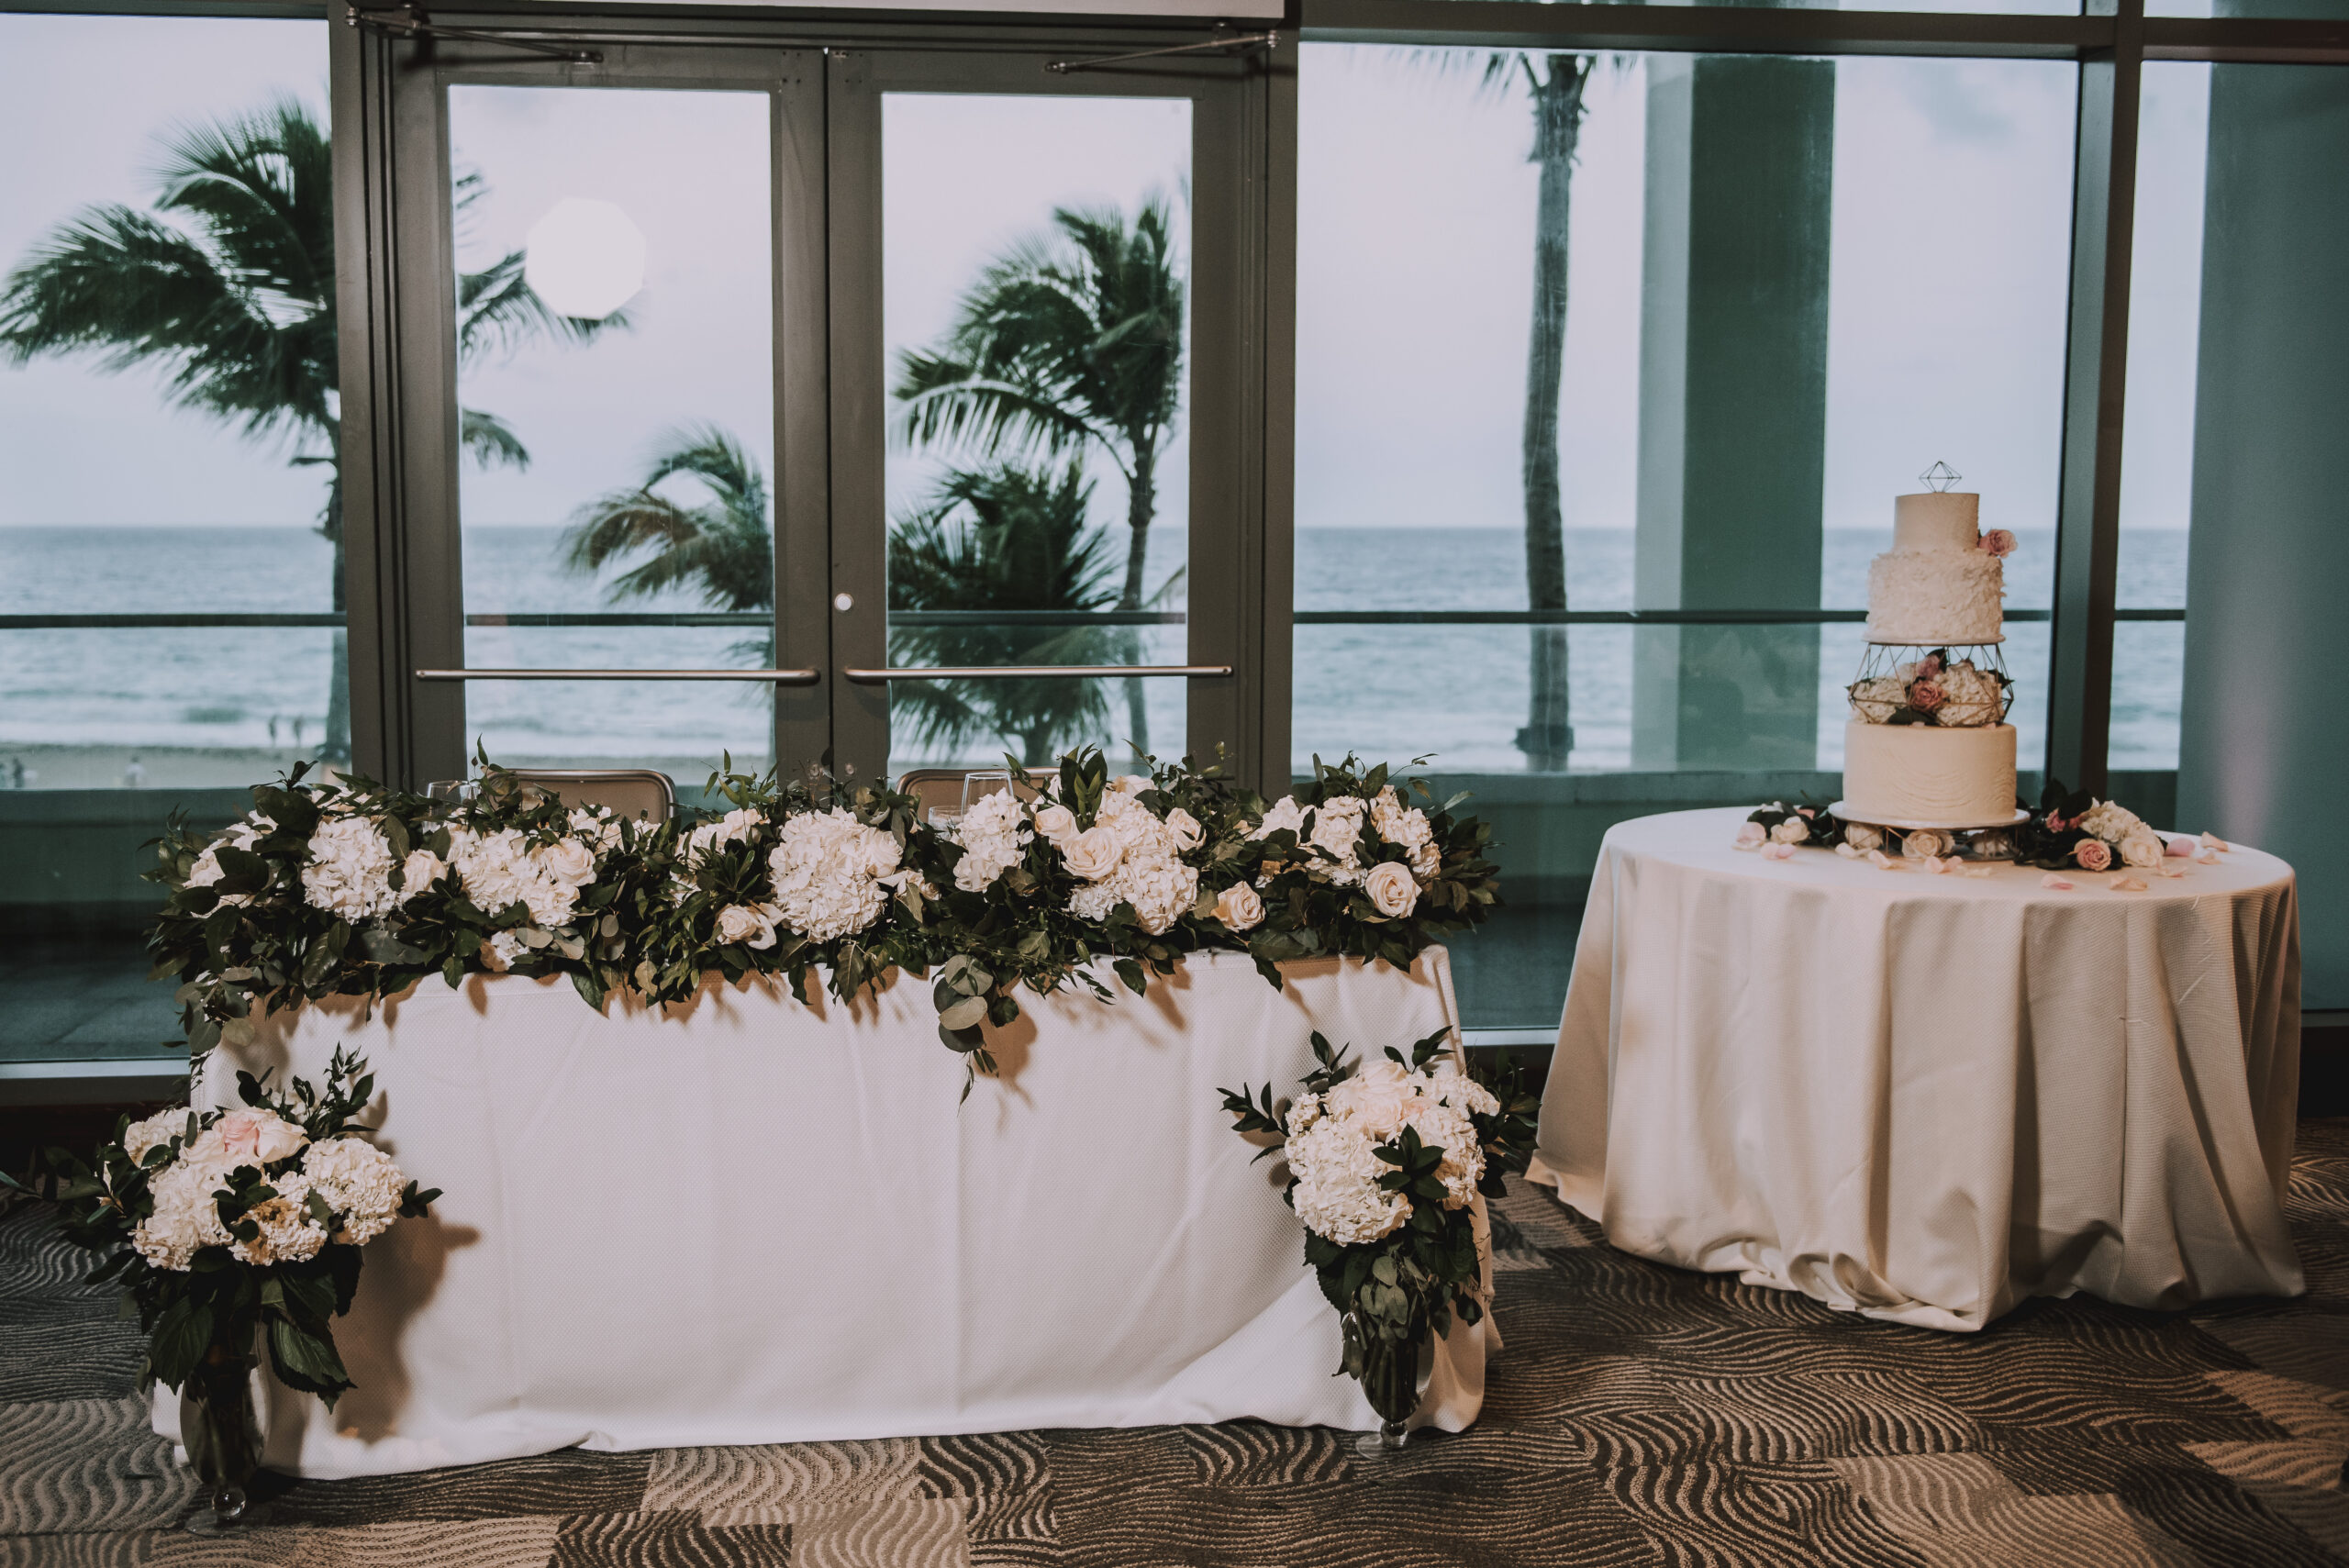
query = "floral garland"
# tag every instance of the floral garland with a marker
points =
(1385, 1161)
(220, 1223)
(345, 887)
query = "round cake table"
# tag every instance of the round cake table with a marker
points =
(1924, 1097)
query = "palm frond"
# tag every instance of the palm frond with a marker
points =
(498, 311)
(489, 441)
(724, 548)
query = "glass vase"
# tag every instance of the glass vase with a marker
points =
(1390, 1380)
(221, 1431)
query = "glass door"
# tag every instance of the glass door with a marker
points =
(1034, 277)
(878, 406)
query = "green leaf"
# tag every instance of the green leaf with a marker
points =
(306, 1361)
(967, 1013)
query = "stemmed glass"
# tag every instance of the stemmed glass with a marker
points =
(978, 786)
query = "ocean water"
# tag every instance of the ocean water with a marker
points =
(1383, 691)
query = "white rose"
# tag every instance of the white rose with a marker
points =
(1184, 829)
(250, 1137)
(1751, 836)
(161, 1127)
(881, 852)
(1239, 907)
(1376, 1098)
(1926, 843)
(1863, 838)
(1055, 822)
(1392, 890)
(1793, 831)
(2143, 848)
(739, 923)
(1132, 784)
(1093, 853)
(567, 860)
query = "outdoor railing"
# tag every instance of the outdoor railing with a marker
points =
(752, 619)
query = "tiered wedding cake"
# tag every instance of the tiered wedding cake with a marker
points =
(1927, 745)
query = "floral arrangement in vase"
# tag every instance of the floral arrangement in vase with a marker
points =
(346, 887)
(1386, 1160)
(232, 1230)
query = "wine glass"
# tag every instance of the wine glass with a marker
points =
(978, 786)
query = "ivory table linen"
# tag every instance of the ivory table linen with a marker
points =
(1926, 1097)
(758, 1221)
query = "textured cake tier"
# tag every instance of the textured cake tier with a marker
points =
(1925, 774)
(1936, 520)
(1936, 597)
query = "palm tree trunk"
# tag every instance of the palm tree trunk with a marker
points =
(1547, 739)
(1141, 502)
(336, 746)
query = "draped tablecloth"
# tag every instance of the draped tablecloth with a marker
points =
(1925, 1097)
(758, 1221)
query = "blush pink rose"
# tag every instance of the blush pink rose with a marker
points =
(254, 1138)
(1928, 666)
(1925, 696)
(1998, 542)
(2094, 854)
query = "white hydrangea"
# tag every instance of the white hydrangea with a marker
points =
(206, 871)
(161, 1128)
(833, 874)
(359, 1182)
(1407, 827)
(1337, 829)
(350, 870)
(500, 870)
(1970, 697)
(597, 826)
(502, 949)
(2108, 822)
(737, 827)
(1283, 813)
(186, 1218)
(995, 836)
(1333, 1138)
(1149, 874)
(289, 1232)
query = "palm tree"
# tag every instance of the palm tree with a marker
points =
(1556, 84)
(722, 546)
(227, 286)
(992, 540)
(1071, 341)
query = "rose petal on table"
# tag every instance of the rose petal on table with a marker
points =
(2178, 844)
(2055, 883)
(1778, 852)
(1848, 852)
(2207, 858)
(2212, 842)
(2166, 869)
(2128, 885)
(1879, 860)
(1936, 866)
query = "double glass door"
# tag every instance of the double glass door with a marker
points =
(878, 405)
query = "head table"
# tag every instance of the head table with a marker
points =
(1924, 1097)
(754, 1219)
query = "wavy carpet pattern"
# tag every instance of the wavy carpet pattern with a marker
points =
(1639, 1416)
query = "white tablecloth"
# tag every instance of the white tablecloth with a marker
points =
(759, 1221)
(1926, 1097)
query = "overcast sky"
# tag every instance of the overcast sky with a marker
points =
(1948, 274)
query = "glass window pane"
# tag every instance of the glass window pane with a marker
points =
(169, 613)
(1663, 335)
(1036, 309)
(615, 254)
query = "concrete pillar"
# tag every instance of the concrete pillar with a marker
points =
(2264, 748)
(1733, 407)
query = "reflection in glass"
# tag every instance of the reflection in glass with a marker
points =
(615, 322)
(1035, 306)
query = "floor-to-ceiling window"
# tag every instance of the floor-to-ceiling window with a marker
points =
(170, 628)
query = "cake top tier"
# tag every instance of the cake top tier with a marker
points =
(1936, 520)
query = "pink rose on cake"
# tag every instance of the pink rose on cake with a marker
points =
(2094, 854)
(1925, 695)
(1998, 542)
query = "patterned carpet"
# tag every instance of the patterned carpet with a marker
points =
(1639, 1416)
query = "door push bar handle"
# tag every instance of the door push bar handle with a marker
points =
(774, 677)
(1031, 672)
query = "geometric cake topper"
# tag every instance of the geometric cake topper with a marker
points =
(1939, 477)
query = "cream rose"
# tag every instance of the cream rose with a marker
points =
(568, 861)
(1751, 835)
(1093, 853)
(1374, 1098)
(2143, 848)
(1861, 838)
(1392, 889)
(1926, 843)
(741, 923)
(1055, 822)
(881, 852)
(419, 871)
(1239, 907)
(1184, 829)
(1793, 831)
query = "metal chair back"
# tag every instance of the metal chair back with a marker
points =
(940, 789)
(644, 794)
